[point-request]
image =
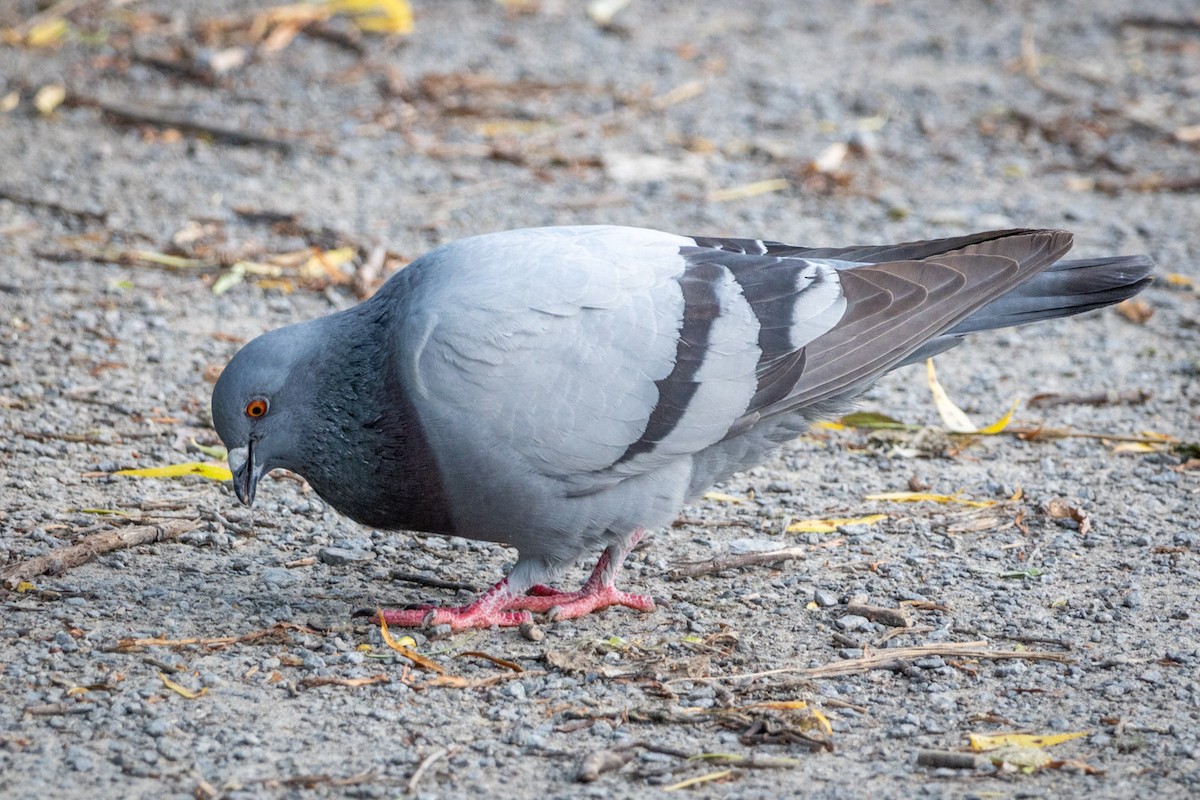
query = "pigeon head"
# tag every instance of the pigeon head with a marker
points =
(260, 407)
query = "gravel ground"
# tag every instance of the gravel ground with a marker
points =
(957, 117)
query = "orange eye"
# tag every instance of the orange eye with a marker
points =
(256, 407)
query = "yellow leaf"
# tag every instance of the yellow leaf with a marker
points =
(216, 472)
(925, 497)
(326, 264)
(49, 97)
(780, 705)
(47, 32)
(954, 418)
(412, 655)
(831, 525)
(873, 420)
(376, 16)
(214, 451)
(25, 586)
(182, 691)
(1002, 423)
(1180, 280)
(829, 426)
(711, 776)
(721, 497)
(824, 721)
(1139, 447)
(981, 742)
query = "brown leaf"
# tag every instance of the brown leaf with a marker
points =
(1136, 311)
(1060, 509)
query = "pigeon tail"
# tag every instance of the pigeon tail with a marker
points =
(1062, 290)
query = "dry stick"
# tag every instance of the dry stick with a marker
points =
(434, 583)
(423, 767)
(1110, 398)
(64, 558)
(51, 205)
(891, 617)
(721, 563)
(948, 759)
(1162, 23)
(137, 117)
(891, 658)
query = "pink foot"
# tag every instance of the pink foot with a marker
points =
(598, 592)
(499, 606)
(492, 608)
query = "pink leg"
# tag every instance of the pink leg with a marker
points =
(492, 608)
(598, 592)
(499, 606)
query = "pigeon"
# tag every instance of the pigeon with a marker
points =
(564, 390)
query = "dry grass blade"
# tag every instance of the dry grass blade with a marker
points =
(891, 658)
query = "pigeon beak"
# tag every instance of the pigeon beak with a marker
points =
(245, 472)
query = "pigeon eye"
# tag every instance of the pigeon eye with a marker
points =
(256, 407)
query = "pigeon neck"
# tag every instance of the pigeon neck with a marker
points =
(371, 459)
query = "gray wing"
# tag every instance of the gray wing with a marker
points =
(619, 351)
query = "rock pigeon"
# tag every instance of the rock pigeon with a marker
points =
(563, 390)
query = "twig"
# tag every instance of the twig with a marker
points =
(947, 759)
(51, 205)
(892, 617)
(1110, 398)
(314, 681)
(56, 709)
(434, 583)
(721, 563)
(1023, 638)
(62, 559)
(423, 767)
(892, 658)
(162, 120)
(1161, 23)
(500, 662)
(350, 41)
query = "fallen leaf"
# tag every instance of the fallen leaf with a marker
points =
(926, 497)
(1060, 509)
(1136, 310)
(981, 742)
(49, 97)
(212, 451)
(721, 497)
(832, 524)
(872, 420)
(182, 691)
(216, 472)
(1179, 280)
(953, 417)
(47, 33)
(412, 655)
(376, 16)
